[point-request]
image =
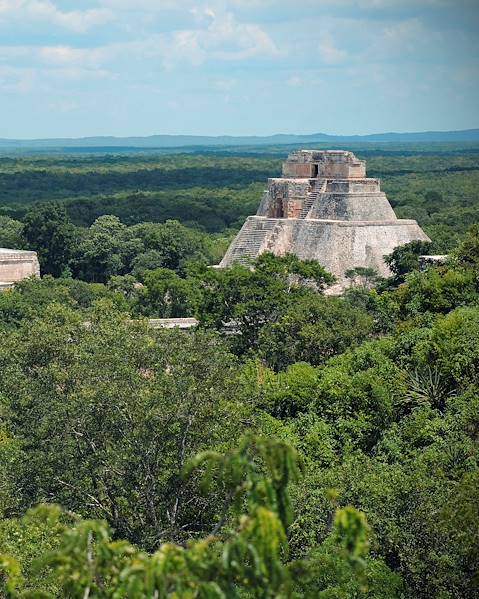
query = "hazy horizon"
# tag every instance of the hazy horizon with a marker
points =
(252, 135)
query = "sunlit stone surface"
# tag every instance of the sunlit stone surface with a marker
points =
(324, 208)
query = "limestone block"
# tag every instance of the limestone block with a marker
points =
(16, 265)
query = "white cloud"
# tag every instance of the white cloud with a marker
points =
(223, 38)
(149, 5)
(27, 66)
(46, 11)
(382, 4)
(67, 56)
(329, 53)
(405, 40)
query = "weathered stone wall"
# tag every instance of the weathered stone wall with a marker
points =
(306, 170)
(284, 198)
(352, 207)
(318, 163)
(336, 245)
(258, 234)
(340, 171)
(364, 185)
(340, 246)
(16, 265)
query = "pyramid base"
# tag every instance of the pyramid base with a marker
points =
(337, 245)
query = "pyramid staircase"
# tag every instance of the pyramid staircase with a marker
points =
(319, 188)
(256, 236)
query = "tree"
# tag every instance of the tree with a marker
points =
(313, 329)
(126, 285)
(435, 291)
(250, 556)
(362, 276)
(11, 233)
(290, 393)
(103, 250)
(108, 414)
(48, 230)
(150, 260)
(467, 253)
(404, 259)
(173, 241)
(294, 271)
(246, 299)
(166, 295)
(30, 298)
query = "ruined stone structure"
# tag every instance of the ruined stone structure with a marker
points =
(325, 208)
(16, 265)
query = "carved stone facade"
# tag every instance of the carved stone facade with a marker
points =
(334, 164)
(16, 265)
(325, 208)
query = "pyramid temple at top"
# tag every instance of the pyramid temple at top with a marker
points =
(324, 208)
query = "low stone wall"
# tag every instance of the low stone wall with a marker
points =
(16, 265)
(364, 185)
(172, 323)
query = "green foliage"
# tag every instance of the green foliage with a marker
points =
(454, 345)
(9, 448)
(405, 258)
(110, 248)
(174, 243)
(436, 291)
(11, 233)
(31, 296)
(245, 480)
(372, 398)
(48, 230)
(313, 329)
(290, 392)
(250, 556)
(166, 295)
(435, 184)
(208, 192)
(26, 542)
(107, 415)
(142, 263)
(246, 299)
(103, 251)
(467, 254)
(362, 276)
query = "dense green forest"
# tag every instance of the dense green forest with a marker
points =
(437, 184)
(293, 445)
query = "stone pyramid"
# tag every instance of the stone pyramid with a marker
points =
(324, 208)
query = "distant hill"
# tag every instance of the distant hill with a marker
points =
(178, 141)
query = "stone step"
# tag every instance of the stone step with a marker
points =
(253, 237)
(319, 187)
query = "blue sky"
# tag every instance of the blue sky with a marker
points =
(239, 67)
